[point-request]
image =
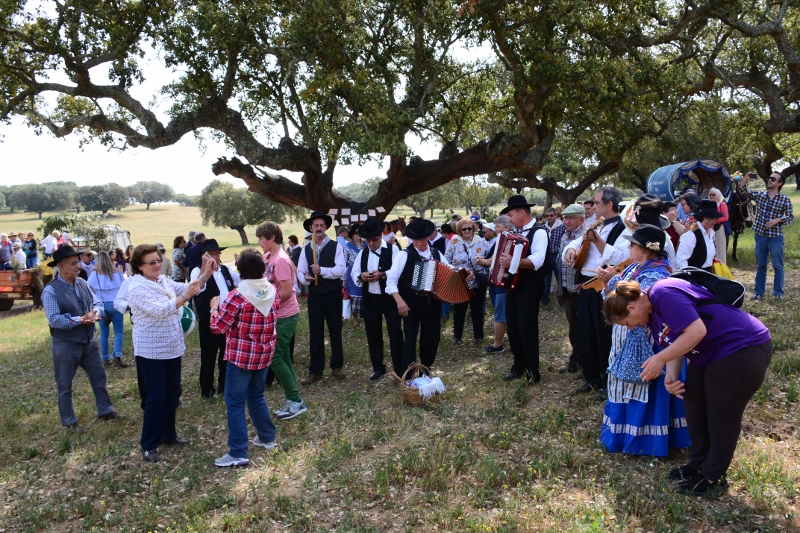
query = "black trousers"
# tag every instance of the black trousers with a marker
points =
(522, 328)
(477, 307)
(425, 321)
(715, 398)
(571, 302)
(212, 352)
(595, 337)
(376, 308)
(322, 309)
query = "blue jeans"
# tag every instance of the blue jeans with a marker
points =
(548, 281)
(246, 386)
(162, 382)
(31, 261)
(117, 321)
(772, 246)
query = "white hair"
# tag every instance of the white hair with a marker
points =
(718, 193)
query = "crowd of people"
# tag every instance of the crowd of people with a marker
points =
(643, 342)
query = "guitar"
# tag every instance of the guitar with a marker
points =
(597, 285)
(584, 251)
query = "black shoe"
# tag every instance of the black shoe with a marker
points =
(109, 416)
(700, 486)
(491, 349)
(587, 387)
(378, 374)
(757, 297)
(151, 456)
(682, 473)
(75, 428)
(545, 301)
(177, 441)
(568, 369)
(511, 376)
(601, 395)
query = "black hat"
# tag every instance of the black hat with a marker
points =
(515, 202)
(371, 228)
(317, 214)
(354, 229)
(210, 245)
(647, 209)
(62, 253)
(649, 237)
(707, 209)
(419, 228)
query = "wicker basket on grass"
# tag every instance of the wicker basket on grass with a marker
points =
(411, 394)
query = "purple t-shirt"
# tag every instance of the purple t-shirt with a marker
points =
(728, 329)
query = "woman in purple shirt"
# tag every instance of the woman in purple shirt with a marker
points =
(728, 352)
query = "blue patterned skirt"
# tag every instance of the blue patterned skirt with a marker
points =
(646, 428)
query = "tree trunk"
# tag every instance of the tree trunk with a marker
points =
(77, 210)
(242, 234)
(148, 205)
(40, 214)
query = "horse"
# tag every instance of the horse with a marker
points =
(398, 225)
(740, 212)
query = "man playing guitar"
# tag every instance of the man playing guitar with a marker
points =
(606, 248)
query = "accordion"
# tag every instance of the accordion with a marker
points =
(517, 247)
(441, 282)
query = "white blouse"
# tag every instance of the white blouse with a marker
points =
(157, 331)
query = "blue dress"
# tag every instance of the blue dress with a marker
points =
(640, 418)
(350, 251)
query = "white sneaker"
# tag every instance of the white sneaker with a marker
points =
(227, 460)
(266, 445)
(282, 409)
(290, 410)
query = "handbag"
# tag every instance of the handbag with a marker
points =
(721, 269)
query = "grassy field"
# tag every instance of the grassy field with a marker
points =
(491, 456)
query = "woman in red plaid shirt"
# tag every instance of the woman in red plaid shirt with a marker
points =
(247, 318)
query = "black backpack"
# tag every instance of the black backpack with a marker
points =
(724, 290)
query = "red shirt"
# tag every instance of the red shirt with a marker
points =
(250, 335)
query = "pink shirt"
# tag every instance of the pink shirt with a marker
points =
(281, 268)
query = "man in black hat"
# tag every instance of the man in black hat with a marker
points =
(321, 268)
(194, 254)
(369, 270)
(697, 248)
(522, 303)
(605, 248)
(421, 314)
(72, 310)
(212, 346)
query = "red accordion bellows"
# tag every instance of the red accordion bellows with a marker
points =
(517, 247)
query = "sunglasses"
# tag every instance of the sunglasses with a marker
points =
(154, 263)
(467, 229)
(773, 178)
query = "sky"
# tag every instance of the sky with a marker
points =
(28, 158)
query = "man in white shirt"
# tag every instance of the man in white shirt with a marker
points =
(522, 303)
(591, 216)
(212, 345)
(420, 313)
(605, 248)
(698, 248)
(369, 270)
(321, 268)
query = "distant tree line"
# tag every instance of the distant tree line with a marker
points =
(66, 195)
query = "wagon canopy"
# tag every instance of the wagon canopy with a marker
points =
(700, 174)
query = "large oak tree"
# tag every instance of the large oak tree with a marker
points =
(305, 86)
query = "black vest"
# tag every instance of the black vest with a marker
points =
(411, 296)
(616, 231)
(384, 264)
(203, 300)
(700, 252)
(325, 258)
(528, 277)
(68, 302)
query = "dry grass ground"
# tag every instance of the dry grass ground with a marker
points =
(491, 456)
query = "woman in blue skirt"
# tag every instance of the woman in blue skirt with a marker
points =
(640, 417)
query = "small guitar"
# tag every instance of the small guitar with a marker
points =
(584, 251)
(597, 285)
